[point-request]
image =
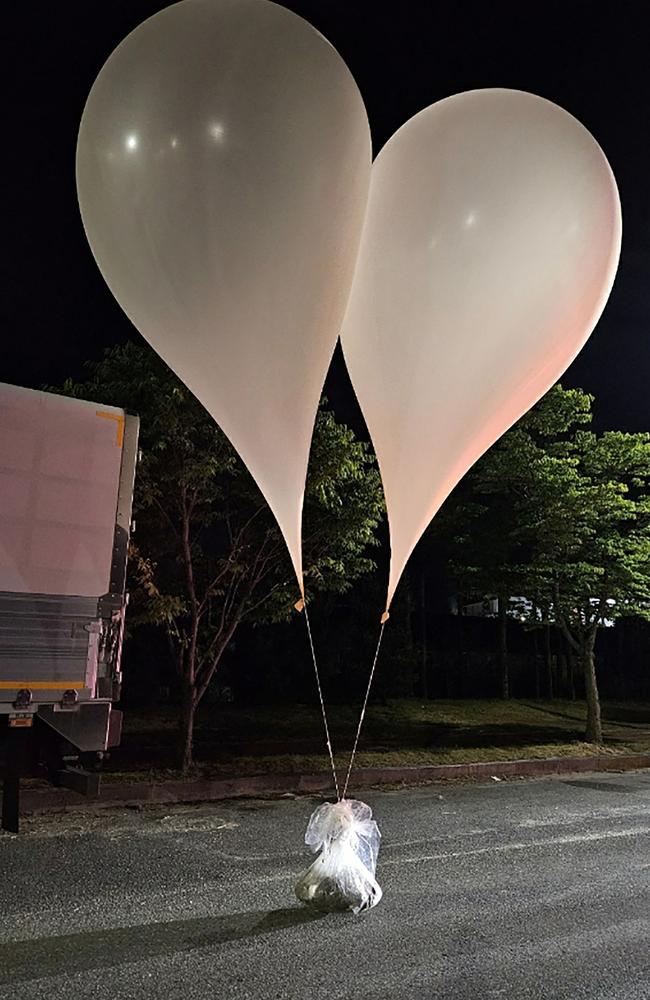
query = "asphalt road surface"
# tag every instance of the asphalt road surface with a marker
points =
(522, 889)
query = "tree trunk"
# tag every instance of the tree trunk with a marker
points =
(186, 730)
(423, 608)
(409, 672)
(536, 655)
(189, 700)
(195, 680)
(594, 731)
(460, 677)
(503, 649)
(548, 658)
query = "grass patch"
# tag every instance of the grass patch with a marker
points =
(317, 763)
(242, 741)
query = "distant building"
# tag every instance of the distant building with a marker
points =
(518, 607)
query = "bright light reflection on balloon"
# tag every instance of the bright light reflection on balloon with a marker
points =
(131, 142)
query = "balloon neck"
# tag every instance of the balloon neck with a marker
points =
(300, 605)
(384, 618)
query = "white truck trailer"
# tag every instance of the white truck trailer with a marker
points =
(67, 470)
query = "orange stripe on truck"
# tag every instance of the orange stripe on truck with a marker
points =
(41, 685)
(119, 419)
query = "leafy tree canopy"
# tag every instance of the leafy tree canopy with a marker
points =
(207, 554)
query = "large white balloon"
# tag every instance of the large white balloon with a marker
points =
(490, 245)
(223, 165)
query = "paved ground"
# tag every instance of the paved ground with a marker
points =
(513, 890)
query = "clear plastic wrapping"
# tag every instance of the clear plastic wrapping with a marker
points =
(343, 875)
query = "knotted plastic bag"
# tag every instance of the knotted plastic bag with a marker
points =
(343, 875)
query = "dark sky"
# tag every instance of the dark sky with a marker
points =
(590, 56)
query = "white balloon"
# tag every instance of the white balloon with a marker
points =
(490, 245)
(223, 165)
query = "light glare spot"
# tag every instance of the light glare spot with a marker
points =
(131, 142)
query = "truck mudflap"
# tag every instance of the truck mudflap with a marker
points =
(86, 727)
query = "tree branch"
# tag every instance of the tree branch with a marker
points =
(166, 516)
(207, 673)
(194, 606)
(562, 620)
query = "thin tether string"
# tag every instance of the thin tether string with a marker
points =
(363, 711)
(322, 706)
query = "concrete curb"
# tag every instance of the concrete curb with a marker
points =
(34, 800)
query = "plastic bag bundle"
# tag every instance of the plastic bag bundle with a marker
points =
(343, 875)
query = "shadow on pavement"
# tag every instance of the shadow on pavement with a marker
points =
(80, 952)
(603, 786)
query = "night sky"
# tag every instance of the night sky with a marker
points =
(588, 56)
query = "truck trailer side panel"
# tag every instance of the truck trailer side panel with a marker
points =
(60, 462)
(67, 470)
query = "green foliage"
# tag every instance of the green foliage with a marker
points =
(207, 553)
(559, 515)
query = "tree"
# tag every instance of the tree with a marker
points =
(592, 554)
(578, 549)
(476, 529)
(208, 554)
